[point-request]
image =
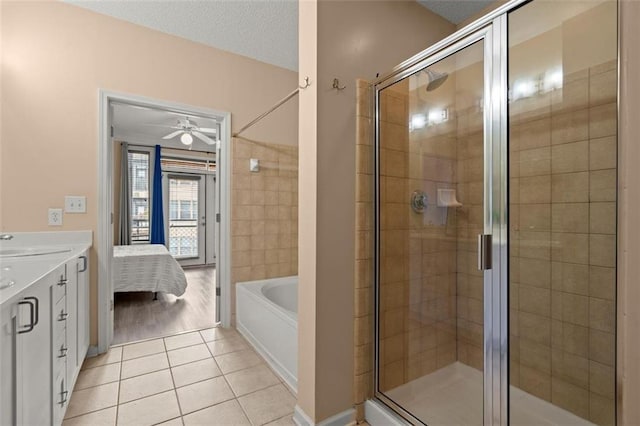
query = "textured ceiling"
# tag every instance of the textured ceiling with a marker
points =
(455, 11)
(266, 30)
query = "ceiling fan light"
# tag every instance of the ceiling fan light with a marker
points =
(186, 139)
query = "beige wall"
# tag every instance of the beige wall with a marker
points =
(307, 197)
(353, 40)
(56, 56)
(264, 210)
(628, 213)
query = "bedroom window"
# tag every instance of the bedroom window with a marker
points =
(140, 186)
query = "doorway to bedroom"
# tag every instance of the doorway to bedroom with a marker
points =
(166, 206)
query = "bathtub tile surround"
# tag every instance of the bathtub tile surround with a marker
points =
(264, 229)
(236, 387)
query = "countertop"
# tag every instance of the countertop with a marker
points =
(26, 270)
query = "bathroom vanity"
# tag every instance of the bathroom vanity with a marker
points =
(44, 324)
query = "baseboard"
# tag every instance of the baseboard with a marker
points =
(346, 417)
(290, 380)
(378, 415)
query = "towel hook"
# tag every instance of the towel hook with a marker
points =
(306, 83)
(336, 85)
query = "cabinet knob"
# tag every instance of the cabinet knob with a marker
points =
(62, 282)
(63, 316)
(63, 397)
(63, 351)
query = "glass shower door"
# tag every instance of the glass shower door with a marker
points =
(562, 212)
(433, 187)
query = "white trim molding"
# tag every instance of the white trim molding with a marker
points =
(346, 417)
(104, 245)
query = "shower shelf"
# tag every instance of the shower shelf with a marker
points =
(447, 198)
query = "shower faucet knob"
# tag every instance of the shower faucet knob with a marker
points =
(419, 201)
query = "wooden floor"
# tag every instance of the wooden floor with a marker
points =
(137, 316)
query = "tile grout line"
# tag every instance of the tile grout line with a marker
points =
(119, 386)
(175, 390)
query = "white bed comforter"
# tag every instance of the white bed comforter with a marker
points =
(147, 267)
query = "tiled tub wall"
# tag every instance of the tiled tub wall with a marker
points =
(563, 245)
(264, 226)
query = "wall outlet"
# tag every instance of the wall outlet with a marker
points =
(55, 217)
(75, 204)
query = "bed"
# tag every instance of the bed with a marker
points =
(147, 267)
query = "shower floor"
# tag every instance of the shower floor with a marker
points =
(453, 396)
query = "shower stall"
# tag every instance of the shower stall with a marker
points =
(495, 221)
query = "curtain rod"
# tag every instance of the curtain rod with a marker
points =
(273, 108)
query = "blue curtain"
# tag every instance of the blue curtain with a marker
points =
(157, 218)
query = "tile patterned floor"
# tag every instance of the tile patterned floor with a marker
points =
(207, 377)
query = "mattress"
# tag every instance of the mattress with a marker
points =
(147, 267)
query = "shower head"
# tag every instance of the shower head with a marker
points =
(435, 79)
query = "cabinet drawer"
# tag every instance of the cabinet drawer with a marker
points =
(59, 287)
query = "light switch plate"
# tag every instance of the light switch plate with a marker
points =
(55, 217)
(75, 204)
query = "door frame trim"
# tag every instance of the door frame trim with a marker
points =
(105, 204)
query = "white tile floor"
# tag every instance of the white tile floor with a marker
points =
(207, 377)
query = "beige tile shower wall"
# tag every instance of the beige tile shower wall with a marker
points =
(396, 251)
(363, 300)
(264, 227)
(563, 243)
(418, 252)
(470, 223)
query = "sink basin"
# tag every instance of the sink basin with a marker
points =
(31, 251)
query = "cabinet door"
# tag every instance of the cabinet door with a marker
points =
(72, 322)
(7, 366)
(33, 358)
(83, 307)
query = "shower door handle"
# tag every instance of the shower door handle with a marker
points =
(484, 252)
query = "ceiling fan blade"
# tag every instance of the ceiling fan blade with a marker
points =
(173, 134)
(204, 138)
(208, 130)
(166, 126)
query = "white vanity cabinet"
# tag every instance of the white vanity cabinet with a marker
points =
(26, 355)
(70, 332)
(44, 338)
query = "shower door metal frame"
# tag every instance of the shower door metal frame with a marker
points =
(492, 31)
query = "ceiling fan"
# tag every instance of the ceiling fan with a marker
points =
(188, 128)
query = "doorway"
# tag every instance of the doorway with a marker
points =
(495, 222)
(221, 219)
